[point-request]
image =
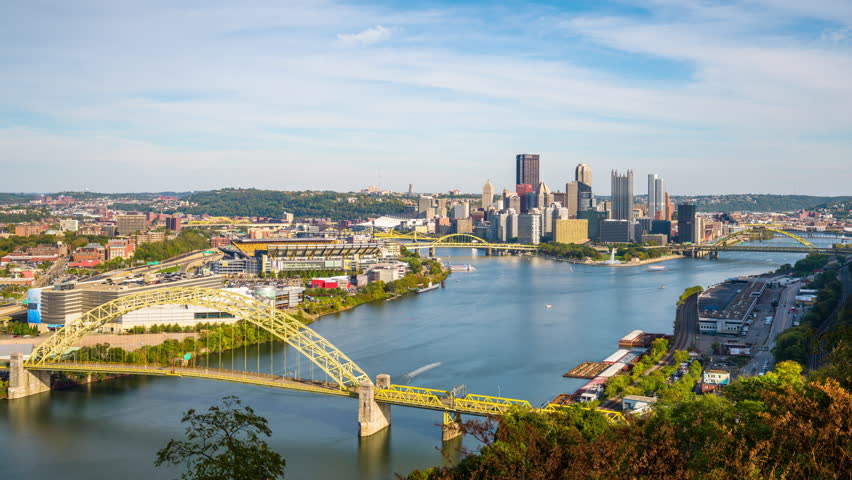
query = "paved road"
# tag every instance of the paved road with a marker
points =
(783, 320)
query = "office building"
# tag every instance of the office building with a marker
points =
(68, 225)
(670, 207)
(656, 197)
(585, 198)
(119, 249)
(583, 174)
(572, 194)
(482, 230)
(173, 224)
(543, 196)
(512, 202)
(527, 169)
(636, 231)
(662, 227)
(460, 210)
(463, 225)
(425, 207)
(615, 231)
(686, 223)
(129, 224)
(487, 194)
(622, 195)
(655, 238)
(28, 230)
(594, 218)
(498, 227)
(571, 231)
(529, 228)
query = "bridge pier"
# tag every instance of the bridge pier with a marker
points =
(451, 428)
(372, 417)
(431, 251)
(22, 382)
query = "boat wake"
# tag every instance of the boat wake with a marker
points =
(425, 368)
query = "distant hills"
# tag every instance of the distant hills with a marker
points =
(338, 205)
(758, 202)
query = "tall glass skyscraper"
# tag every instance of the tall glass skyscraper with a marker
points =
(622, 195)
(656, 197)
(526, 169)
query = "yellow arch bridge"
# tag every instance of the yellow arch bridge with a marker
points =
(464, 240)
(734, 243)
(343, 377)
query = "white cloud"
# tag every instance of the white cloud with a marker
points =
(426, 103)
(369, 36)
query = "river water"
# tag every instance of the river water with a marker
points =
(489, 329)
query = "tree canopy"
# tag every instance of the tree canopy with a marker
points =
(224, 443)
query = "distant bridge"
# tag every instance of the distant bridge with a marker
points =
(734, 243)
(344, 377)
(465, 240)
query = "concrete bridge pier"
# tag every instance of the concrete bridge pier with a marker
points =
(431, 251)
(451, 428)
(372, 417)
(22, 382)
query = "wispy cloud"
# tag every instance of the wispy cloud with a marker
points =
(369, 36)
(463, 90)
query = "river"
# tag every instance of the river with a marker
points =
(489, 329)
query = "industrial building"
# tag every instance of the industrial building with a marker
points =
(724, 308)
(54, 307)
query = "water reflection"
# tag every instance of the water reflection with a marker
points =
(374, 457)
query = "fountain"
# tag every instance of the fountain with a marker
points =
(612, 260)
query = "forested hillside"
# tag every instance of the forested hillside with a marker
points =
(756, 202)
(273, 203)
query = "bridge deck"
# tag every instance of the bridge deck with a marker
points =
(401, 395)
(237, 376)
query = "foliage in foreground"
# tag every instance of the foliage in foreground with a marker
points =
(225, 443)
(770, 427)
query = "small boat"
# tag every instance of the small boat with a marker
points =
(462, 268)
(662, 286)
(549, 306)
(656, 268)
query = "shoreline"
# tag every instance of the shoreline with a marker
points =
(623, 264)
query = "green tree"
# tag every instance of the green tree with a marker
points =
(225, 443)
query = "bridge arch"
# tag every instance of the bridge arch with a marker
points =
(461, 238)
(756, 228)
(340, 368)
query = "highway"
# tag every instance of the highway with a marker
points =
(783, 320)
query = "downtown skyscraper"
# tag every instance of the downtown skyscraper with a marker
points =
(622, 195)
(527, 170)
(583, 174)
(656, 197)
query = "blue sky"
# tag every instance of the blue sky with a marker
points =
(714, 96)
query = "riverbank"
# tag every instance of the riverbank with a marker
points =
(620, 264)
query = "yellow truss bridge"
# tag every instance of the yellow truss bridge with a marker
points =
(757, 227)
(344, 377)
(465, 240)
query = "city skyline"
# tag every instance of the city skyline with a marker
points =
(384, 94)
